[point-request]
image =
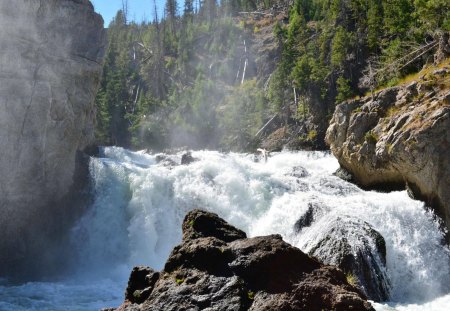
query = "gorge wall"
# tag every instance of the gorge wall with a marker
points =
(50, 64)
(400, 136)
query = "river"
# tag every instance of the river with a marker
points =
(139, 206)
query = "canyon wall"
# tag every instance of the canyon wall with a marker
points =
(51, 55)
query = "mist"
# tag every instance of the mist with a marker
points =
(193, 78)
(50, 59)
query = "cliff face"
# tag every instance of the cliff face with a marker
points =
(50, 64)
(399, 137)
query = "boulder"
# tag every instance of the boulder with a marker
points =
(187, 158)
(217, 268)
(399, 137)
(358, 250)
(51, 55)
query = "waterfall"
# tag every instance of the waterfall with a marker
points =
(141, 199)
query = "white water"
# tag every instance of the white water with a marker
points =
(139, 207)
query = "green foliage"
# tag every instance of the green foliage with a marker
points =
(374, 22)
(344, 90)
(433, 14)
(312, 134)
(351, 279)
(339, 47)
(397, 16)
(173, 82)
(371, 137)
(242, 114)
(250, 295)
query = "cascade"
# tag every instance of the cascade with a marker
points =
(141, 199)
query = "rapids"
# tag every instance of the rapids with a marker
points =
(140, 204)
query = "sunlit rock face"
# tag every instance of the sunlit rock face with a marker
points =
(399, 136)
(50, 64)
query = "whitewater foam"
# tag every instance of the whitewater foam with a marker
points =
(139, 207)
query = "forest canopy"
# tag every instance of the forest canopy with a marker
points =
(188, 78)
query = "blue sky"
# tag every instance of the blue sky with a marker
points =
(139, 10)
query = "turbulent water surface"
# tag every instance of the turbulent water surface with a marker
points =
(140, 202)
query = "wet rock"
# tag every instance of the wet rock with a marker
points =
(359, 250)
(165, 160)
(187, 158)
(335, 187)
(313, 212)
(299, 172)
(226, 271)
(343, 174)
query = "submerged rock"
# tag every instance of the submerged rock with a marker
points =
(313, 212)
(165, 160)
(187, 158)
(217, 268)
(357, 249)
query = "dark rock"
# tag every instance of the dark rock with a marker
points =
(140, 284)
(314, 211)
(197, 290)
(359, 250)
(205, 254)
(187, 158)
(299, 172)
(331, 186)
(343, 174)
(165, 160)
(268, 263)
(306, 220)
(325, 289)
(227, 272)
(198, 223)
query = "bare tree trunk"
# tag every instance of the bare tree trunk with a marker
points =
(245, 63)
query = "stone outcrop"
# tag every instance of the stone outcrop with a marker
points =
(50, 64)
(399, 137)
(358, 250)
(351, 244)
(217, 268)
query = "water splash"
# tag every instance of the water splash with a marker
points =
(140, 204)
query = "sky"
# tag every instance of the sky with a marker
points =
(139, 10)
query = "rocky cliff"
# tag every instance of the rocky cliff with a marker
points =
(50, 63)
(399, 136)
(217, 268)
